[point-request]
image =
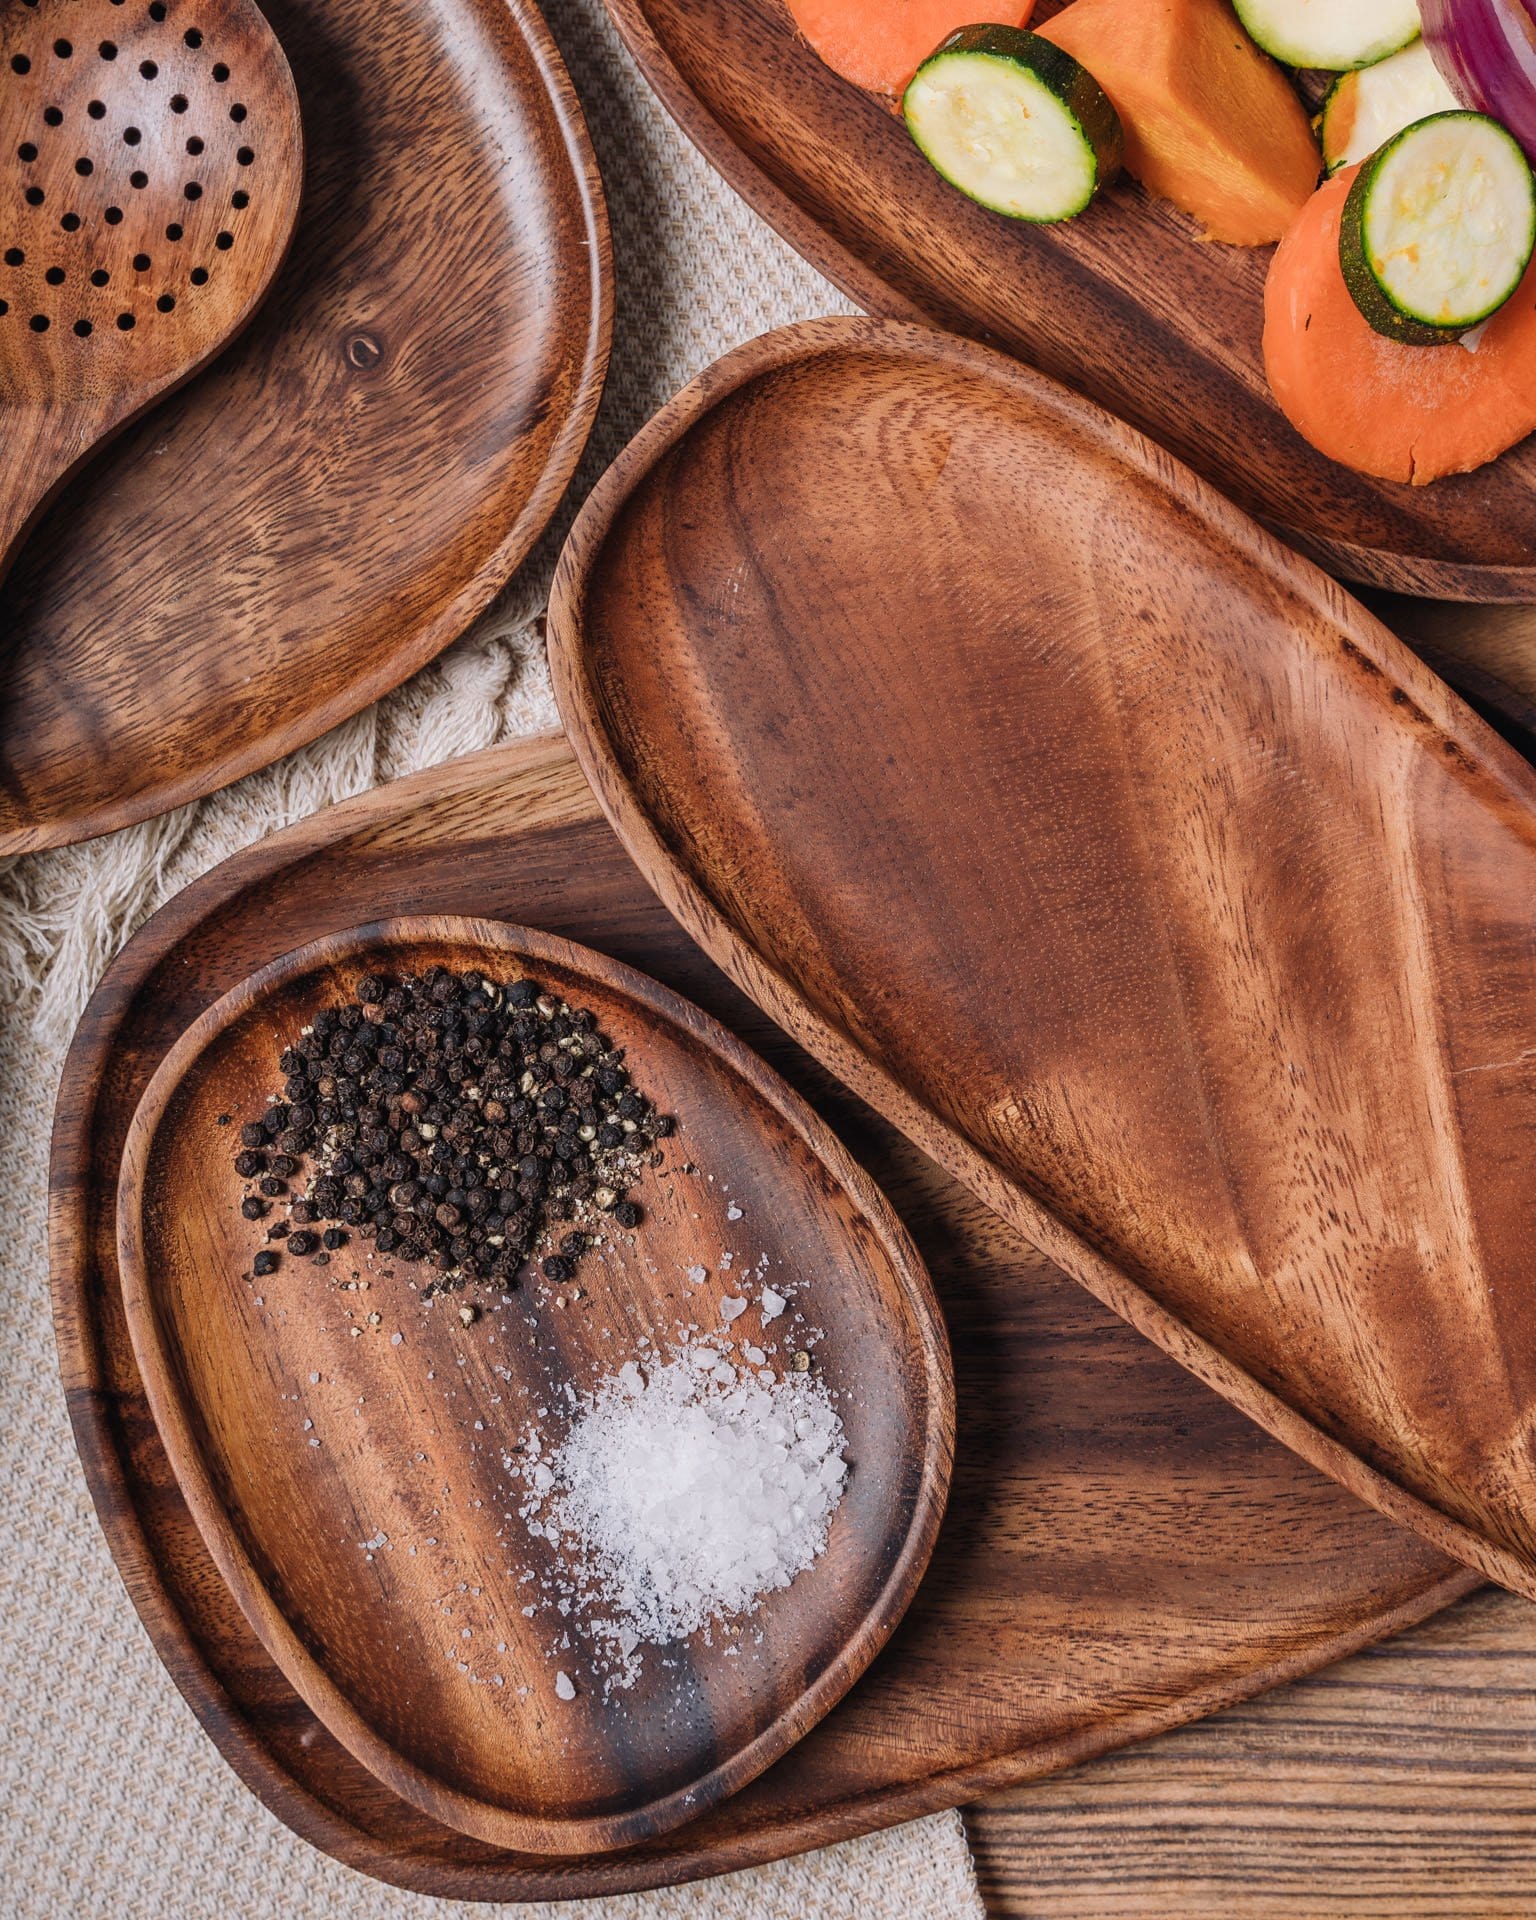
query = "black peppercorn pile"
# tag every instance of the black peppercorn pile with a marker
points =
(454, 1122)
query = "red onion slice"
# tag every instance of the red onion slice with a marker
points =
(1486, 51)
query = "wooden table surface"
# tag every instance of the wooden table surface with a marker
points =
(1398, 1785)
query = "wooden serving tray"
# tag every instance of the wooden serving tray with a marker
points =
(1126, 304)
(1122, 1551)
(1115, 854)
(335, 499)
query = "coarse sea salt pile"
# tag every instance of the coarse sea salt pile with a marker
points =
(684, 1493)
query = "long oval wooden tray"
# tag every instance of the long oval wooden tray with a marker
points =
(1111, 850)
(1122, 1550)
(1125, 305)
(333, 501)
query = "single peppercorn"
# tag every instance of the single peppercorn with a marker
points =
(264, 1263)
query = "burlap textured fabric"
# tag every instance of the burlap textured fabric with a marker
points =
(113, 1804)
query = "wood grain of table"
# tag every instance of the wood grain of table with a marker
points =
(1398, 1785)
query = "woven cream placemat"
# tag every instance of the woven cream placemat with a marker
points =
(113, 1803)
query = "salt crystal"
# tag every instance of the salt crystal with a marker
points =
(563, 1688)
(733, 1212)
(731, 1310)
(698, 1275)
(773, 1304)
(683, 1502)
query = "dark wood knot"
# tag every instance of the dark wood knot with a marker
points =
(364, 351)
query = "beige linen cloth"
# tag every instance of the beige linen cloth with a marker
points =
(113, 1803)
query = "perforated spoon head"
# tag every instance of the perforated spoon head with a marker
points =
(151, 161)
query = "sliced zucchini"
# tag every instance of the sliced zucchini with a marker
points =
(1365, 108)
(1014, 123)
(1438, 228)
(1332, 34)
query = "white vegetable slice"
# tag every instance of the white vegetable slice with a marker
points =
(1365, 108)
(1332, 34)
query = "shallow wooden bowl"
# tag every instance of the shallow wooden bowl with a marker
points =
(1115, 853)
(351, 1487)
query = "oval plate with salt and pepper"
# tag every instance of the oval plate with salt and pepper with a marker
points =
(363, 1462)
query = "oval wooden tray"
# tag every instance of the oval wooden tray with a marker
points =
(1136, 871)
(341, 1536)
(335, 499)
(1125, 305)
(1122, 1550)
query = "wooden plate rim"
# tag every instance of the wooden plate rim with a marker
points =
(296, 725)
(1418, 697)
(862, 282)
(158, 1369)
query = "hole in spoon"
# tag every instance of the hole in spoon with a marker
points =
(83, 328)
(53, 116)
(20, 63)
(125, 323)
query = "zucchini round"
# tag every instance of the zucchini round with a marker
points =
(1365, 108)
(1334, 35)
(1438, 228)
(1013, 122)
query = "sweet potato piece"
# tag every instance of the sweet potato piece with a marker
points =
(1401, 413)
(1211, 123)
(879, 44)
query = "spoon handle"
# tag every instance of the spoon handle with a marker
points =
(38, 449)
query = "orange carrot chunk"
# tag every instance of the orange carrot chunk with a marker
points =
(1210, 123)
(879, 44)
(1401, 413)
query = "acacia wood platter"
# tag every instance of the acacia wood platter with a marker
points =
(1122, 1551)
(346, 1454)
(1115, 853)
(331, 502)
(1126, 304)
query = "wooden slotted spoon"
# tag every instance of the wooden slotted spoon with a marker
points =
(151, 160)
